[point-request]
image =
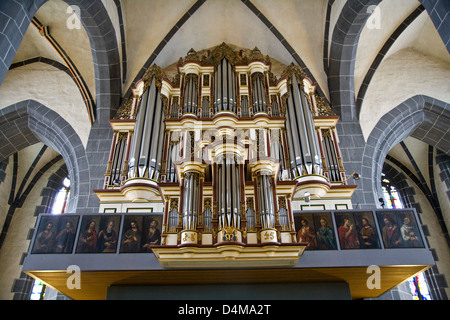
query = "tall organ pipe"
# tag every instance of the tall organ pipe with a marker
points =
(137, 137)
(303, 145)
(259, 93)
(146, 145)
(266, 206)
(190, 96)
(229, 192)
(315, 160)
(190, 201)
(224, 87)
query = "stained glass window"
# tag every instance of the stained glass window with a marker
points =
(419, 288)
(391, 196)
(60, 203)
(38, 291)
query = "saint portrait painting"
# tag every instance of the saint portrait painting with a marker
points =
(316, 229)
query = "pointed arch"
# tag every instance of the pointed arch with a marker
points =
(28, 122)
(421, 117)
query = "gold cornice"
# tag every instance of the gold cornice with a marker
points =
(213, 56)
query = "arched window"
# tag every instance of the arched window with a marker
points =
(390, 194)
(61, 198)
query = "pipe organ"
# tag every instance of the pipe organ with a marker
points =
(226, 150)
(230, 161)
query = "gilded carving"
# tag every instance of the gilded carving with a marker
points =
(282, 202)
(122, 136)
(153, 71)
(323, 108)
(294, 70)
(215, 55)
(124, 111)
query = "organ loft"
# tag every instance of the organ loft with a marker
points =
(225, 169)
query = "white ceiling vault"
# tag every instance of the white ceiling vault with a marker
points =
(289, 31)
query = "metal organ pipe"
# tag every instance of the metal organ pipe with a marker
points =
(314, 161)
(147, 135)
(188, 211)
(260, 202)
(293, 134)
(160, 147)
(236, 194)
(137, 136)
(265, 200)
(301, 136)
(190, 94)
(228, 189)
(190, 201)
(313, 140)
(224, 87)
(332, 161)
(219, 192)
(147, 141)
(259, 93)
(229, 192)
(185, 200)
(156, 138)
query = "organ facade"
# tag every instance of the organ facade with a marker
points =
(225, 149)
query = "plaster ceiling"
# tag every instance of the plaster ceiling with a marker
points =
(34, 45)
(74, 41)
(391, 14)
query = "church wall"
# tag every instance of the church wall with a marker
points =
(17, 240)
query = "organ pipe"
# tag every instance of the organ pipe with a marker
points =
(331, 158)
(303, 145)
(190, 96)
(118, 159)
(229, 186)
(224, 87)
(265, 197)
(190, 200)
(147, 142)
(259, 93)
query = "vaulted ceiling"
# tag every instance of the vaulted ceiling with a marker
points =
(368, 56)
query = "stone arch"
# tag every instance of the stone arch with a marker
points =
(344, 43)
(421, 117)
(28, 122)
